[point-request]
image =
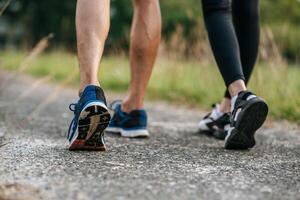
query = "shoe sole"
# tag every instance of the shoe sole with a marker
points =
(249, 120)
(129, 133)
(220, 134)
(217, 134)
(93, 120)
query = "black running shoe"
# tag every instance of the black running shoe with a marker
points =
(215, 124)
(249, 113)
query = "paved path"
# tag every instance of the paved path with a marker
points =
(174, 163)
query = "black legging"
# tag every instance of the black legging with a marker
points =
(233, 30)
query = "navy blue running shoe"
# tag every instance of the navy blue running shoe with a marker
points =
(133, 124)
(91, 117)
(248, 114)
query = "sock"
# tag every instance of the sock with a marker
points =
(233, 100)
(216, 113)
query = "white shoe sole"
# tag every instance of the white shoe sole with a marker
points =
(128, 133)
(202, 125)
(91, 136)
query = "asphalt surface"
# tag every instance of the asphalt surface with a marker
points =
(176, 162)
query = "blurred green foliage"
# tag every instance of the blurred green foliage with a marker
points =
(37, 18)
(185, 82)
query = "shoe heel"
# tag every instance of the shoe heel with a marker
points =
(239, 140)
(92, 122)
(248, 122)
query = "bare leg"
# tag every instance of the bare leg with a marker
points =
(145, 39)
(92, 25)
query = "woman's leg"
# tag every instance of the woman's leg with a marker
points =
(224, 43)
(246, 24)
(248, 112)
(223, 40)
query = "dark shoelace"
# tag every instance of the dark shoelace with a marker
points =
(72, 108)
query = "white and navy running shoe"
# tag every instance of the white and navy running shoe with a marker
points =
(215, 124)
(91, 117)
(133, 124)
(249, 112)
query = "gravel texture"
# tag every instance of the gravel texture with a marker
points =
(176, 162)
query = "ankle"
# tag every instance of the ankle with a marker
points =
(83, 85)
(236, 87)
(130, 105)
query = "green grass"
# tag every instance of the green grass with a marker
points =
(187, 82)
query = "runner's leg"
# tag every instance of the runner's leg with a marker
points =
(224, 43)
(246, 24)
(145, 39)
(92, 26)
(91, 116)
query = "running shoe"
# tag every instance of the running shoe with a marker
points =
(249, 112)
(91, 117)
(215, 123)
(133, 124)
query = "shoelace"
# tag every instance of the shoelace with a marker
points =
(72, 108)
(114, 104)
